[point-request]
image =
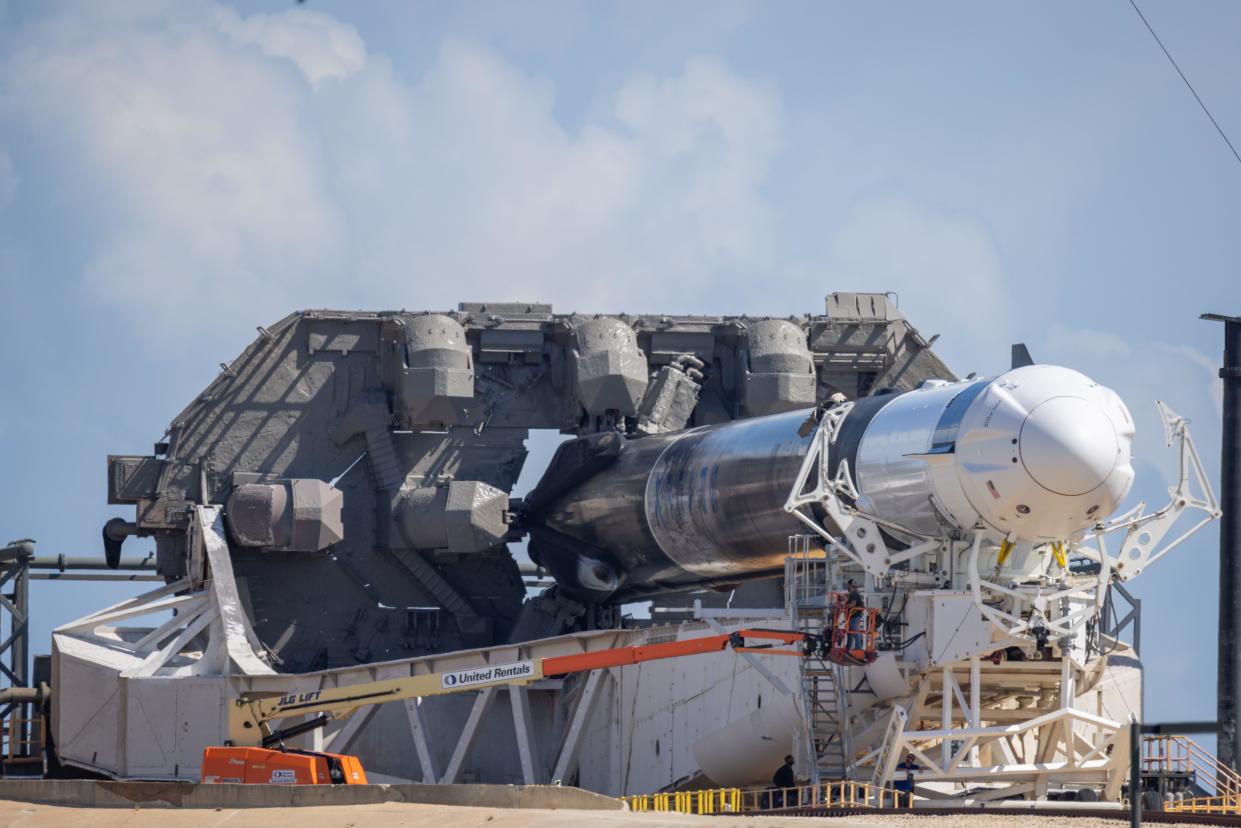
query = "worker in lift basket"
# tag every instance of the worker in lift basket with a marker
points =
(855, 612)
(784, 780)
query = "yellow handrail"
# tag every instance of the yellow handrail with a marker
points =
(842, 794)
(1206, 805)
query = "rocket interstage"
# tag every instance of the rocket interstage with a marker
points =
(1039, 454)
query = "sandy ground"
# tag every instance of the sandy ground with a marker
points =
(389, 815)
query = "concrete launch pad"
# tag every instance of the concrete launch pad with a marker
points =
(392, 814)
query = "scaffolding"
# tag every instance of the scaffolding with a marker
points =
(809, 583)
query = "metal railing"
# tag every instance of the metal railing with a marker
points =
(1171, 753)
(715, 801)
(808, 573)
(842, 794)
(1220, 805)
(21, 738)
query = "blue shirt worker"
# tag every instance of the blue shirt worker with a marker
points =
(908, 766)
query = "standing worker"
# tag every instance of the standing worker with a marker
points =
(855, 612)
(785, 781)
(908, 766)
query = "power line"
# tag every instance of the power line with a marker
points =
(1214, 123)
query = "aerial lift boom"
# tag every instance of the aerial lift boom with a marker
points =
(255, 751)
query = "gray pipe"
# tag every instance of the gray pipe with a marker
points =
(19, 695)
(17, 549)
(66, 563)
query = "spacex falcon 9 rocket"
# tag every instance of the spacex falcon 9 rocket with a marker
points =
(1038, 454)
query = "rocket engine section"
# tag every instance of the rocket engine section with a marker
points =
(609, 368)
(1038, 454)
(286, 515)
(437, 381)
(460, 516)
(617, 518)
(779, 368)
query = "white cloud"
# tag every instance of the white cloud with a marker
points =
(321, 46)
(467, 176)
(198, 177)
(8, 180)
(943, 267)
(1206, 373)
(225, 190)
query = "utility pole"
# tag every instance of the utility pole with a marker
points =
(1228, 689)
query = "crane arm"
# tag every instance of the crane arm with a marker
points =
(251, 715)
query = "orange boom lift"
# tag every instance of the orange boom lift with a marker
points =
(255, 752)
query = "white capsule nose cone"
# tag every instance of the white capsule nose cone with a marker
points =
(1043, 454)
(1069, 446)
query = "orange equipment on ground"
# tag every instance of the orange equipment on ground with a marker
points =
(854, 632)
(265, 766)
(271, 762)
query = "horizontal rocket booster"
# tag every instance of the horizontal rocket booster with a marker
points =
(1038, 453)
(697, 506)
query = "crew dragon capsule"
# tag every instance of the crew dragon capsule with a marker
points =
(1039, 453)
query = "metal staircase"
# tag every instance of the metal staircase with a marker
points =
(809, 580)
(1171, 763)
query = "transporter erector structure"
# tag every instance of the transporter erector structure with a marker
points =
(336, 508)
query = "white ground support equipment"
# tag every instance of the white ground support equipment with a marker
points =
(992, 573)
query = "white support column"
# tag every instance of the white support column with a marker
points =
(523, 727)
(422, 740)
(975, 702)
(1068, 689)
(1118, 766)
(567, 762)
(483, 701)
(945, 706)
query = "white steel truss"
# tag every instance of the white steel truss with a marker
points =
(207, 633)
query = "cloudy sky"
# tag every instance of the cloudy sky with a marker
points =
(173, 174)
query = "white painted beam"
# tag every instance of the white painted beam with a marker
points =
(523, 727)
(422, 740)
(567, 763)
(468, 734)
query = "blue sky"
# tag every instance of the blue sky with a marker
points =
(174, 174)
